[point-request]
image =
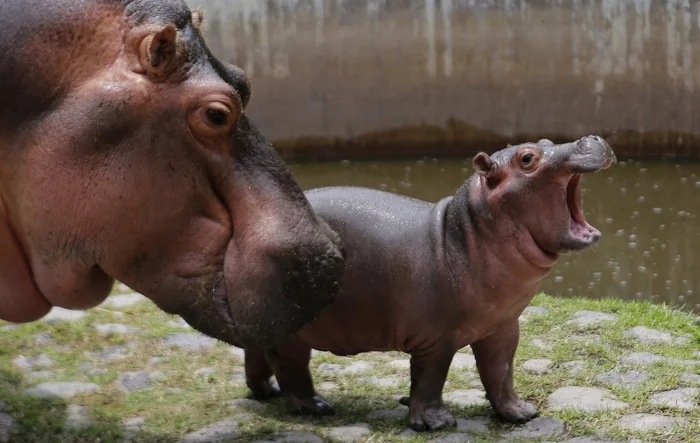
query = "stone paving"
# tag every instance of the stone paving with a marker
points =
(664, 407)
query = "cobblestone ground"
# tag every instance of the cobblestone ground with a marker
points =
(125, 371)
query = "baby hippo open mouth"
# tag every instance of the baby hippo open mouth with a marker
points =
(581, 233)
(589, 154)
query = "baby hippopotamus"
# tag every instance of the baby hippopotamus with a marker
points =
(428, 279)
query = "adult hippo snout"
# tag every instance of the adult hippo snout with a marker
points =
(126, 153)
(282, 264)
(293, 279)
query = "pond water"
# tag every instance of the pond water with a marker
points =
(647, 211)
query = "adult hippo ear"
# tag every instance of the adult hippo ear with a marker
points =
(157, 50)
(197, 18)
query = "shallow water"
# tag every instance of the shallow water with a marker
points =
(647, 212)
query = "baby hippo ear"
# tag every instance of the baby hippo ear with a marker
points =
(482, 164)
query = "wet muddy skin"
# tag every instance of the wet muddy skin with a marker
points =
(646, 210)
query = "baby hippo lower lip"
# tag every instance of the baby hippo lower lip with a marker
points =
(580, 237)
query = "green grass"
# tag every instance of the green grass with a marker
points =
(182, 402)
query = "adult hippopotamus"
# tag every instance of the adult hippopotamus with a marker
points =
(429, 279)
(126, 153)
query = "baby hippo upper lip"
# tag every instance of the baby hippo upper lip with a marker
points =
(591, 154)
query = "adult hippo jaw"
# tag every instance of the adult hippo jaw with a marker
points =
(126, 153)
(539, 186)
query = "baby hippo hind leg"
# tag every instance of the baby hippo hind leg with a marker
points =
(290, 363)
(494, 360)
(258, 376)
(428, 374)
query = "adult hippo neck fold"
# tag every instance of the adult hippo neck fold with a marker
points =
(126, 153)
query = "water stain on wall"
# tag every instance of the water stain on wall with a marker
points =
(402, 77)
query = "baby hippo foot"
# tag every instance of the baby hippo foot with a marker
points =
(315, 406)
(517, 411)
(264, 390)
(428, 418)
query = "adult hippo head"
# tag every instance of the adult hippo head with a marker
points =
(125, 153)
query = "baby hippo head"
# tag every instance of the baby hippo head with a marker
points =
(536, 187)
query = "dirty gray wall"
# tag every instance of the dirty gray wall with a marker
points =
(402, 77)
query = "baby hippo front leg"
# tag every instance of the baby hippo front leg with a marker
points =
(428, 374)
(494, 360)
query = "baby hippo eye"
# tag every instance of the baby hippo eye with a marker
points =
(527, 159)
(216, 117)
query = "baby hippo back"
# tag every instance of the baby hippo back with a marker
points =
(382, 233)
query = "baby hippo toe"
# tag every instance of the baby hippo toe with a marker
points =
(518, 412)
(315, 406)
(431, 418)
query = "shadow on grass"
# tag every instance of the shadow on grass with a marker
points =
(44, 419)
(355, 408)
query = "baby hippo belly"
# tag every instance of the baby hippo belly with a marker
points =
(348, 328)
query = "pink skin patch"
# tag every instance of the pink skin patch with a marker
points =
(580, 229)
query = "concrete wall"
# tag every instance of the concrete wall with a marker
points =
(400, 77)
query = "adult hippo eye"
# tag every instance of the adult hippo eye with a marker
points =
(216, 117)
(213, 117)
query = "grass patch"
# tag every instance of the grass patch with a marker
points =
(181, 401)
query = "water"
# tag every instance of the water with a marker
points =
(647, 211)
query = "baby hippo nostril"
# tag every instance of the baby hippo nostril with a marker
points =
(593, 139)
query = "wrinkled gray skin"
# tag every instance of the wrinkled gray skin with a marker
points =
(428, 279)
(125, 152)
